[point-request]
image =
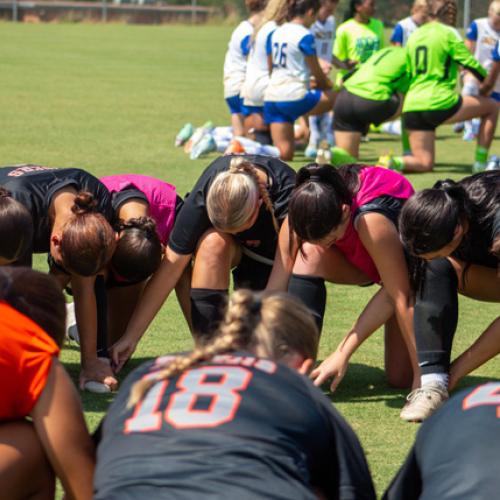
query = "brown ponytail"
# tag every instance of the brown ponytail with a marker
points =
(16, 227)
(445, 11)
(268, 324)
(138, 251)
(87, 241)
(36, 295)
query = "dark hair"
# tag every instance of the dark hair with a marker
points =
(37, 296)
(495, 247)
(16, 227)
(138, 251)
(429, 218)
(297, 8)
(315, 206)
(445, 11)
(87, 240)
(255, 5)
(351, 11)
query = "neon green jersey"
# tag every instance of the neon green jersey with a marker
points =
(434, 53)
(383, 74)
(357, 41)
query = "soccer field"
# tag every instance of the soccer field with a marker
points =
(109, 99)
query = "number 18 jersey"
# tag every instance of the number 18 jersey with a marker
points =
(237, 427)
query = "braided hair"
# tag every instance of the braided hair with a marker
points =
(445, 11)
(233, 196)
(268, 324)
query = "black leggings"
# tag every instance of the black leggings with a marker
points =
(436, 317)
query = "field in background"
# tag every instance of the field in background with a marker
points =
(110, 98)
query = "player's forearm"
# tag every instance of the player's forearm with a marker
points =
(483, 349)
(86, 320)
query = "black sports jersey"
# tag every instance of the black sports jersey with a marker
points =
(34, 186)
(456, 452)
(261, 238)
(475, 247)
(237, 427)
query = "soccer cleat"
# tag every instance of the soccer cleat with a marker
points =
(235, 148)
(478, 166)
(391, 162)
(184, 135)
(493, 163)
(205, 145)
(198, 135)
(324, 155)
(423, 402)
(469, 136)
(96, 387)
(458, 128)
(311, 151)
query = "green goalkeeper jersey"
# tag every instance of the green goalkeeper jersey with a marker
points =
(357, 41)
(383, 74)
(434, 53)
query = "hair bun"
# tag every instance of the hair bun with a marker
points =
(451, 188)
(145, 224)
(84, 203)
(4, 193)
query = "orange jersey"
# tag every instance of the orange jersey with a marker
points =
(26, 354)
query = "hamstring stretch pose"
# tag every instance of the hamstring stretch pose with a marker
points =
(71, 213)
(344, 222)
(453, 232)
(229, 221)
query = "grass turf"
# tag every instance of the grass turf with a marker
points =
(110, 98)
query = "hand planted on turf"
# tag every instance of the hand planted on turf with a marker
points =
(121, 352)
(98, 370)
(334, 366)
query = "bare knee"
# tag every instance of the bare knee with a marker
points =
(286, 151)
(215, 246)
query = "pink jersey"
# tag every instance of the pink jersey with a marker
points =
(375, 182)
(160, 195)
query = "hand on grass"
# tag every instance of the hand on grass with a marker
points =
(98, 370)
(121, 352)
(334, 366)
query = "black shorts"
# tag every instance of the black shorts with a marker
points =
(355, 114)
(251, 274)
(429, 120)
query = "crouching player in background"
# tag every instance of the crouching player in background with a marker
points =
(235, 418)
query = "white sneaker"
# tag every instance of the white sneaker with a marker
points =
(478, 166)
(422, 402)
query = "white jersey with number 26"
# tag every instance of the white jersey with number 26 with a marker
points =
(291, 43)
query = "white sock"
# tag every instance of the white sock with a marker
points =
(392, 128)
(315, 131)
(441, 378)
(256, 148)
(222, 133)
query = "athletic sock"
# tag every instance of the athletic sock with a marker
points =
(207, 307)
(311, 291)
(398, 163)
(315, 130)
(441, 378)
(341, 157)
(405, 141)
(481, 154)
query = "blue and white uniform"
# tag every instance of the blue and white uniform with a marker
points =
(257, 76)
(235, 65)
(486, 39)
(324, 34)
(403, 30)
(288, 96)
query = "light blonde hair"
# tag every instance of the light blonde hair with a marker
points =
(419, 4)
(232, 198)
(268, 324)
(445, 11)
(275, 10)
(494, 7)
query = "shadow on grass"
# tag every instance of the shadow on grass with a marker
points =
(454, 168)
(363, 383)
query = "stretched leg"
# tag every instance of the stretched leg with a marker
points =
(121, 304)
(283, 138)
(398, 369)
(216, 254)
(25, 471)
(422, 143)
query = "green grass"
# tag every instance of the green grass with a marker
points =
(110, 98)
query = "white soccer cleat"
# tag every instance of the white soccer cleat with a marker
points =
(423, 402)
(96, 387)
